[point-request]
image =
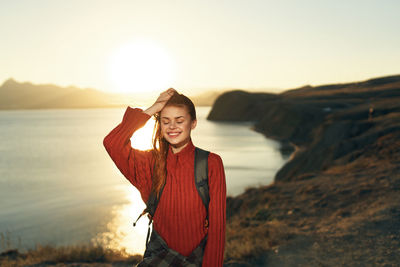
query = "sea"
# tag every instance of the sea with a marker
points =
(59, 187)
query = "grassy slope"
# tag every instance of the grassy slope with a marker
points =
(336, 203)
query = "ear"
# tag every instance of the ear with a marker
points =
(194, 123)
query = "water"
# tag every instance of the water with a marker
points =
(58, 185)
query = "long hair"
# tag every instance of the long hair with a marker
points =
(161, 145)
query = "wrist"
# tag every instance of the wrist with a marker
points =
(151, 110)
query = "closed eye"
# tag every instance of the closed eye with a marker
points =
(167, 122)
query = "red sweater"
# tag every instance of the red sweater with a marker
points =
(180, 214)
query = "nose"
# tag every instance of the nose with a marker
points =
(172, 125)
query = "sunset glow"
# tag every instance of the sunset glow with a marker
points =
(137, 46)
(141, 66)
(142, 138)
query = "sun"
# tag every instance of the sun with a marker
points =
(141, 66)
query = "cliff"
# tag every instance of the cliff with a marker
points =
(336, 202)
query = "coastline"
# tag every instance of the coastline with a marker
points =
(336, 201)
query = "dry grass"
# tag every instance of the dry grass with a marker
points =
(92, 255)
(246, 239)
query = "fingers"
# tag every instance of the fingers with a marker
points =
(167, 93)
(171, 91)
(164, 97)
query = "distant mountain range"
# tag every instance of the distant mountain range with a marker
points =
(15, 95)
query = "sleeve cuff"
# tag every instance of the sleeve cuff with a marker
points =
(135, 114)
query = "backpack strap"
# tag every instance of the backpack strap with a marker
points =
(152, 202)
(151, 206)
(201, 177)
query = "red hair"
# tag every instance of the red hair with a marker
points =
(161, 146)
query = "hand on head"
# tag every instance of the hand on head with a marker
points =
(162, 99)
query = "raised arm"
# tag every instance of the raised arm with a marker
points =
(214, 251)
(134, 164)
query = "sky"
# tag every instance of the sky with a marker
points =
(139, 46)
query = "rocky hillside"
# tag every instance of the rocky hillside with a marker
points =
(337, 201)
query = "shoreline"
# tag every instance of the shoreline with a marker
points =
(336, 201)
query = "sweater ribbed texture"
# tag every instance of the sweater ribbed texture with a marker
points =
(180, 214)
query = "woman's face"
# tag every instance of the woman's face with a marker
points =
(176, 125)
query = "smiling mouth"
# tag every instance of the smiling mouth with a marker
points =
(172, 135)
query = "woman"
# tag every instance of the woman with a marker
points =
(180, 214)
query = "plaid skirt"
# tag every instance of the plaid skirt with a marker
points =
(158, 253)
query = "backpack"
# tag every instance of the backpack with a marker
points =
(201, 181)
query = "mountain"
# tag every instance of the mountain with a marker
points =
(15, 95)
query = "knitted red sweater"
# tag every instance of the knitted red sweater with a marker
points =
(180, 214)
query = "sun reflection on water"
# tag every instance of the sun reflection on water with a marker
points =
(120, 234)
